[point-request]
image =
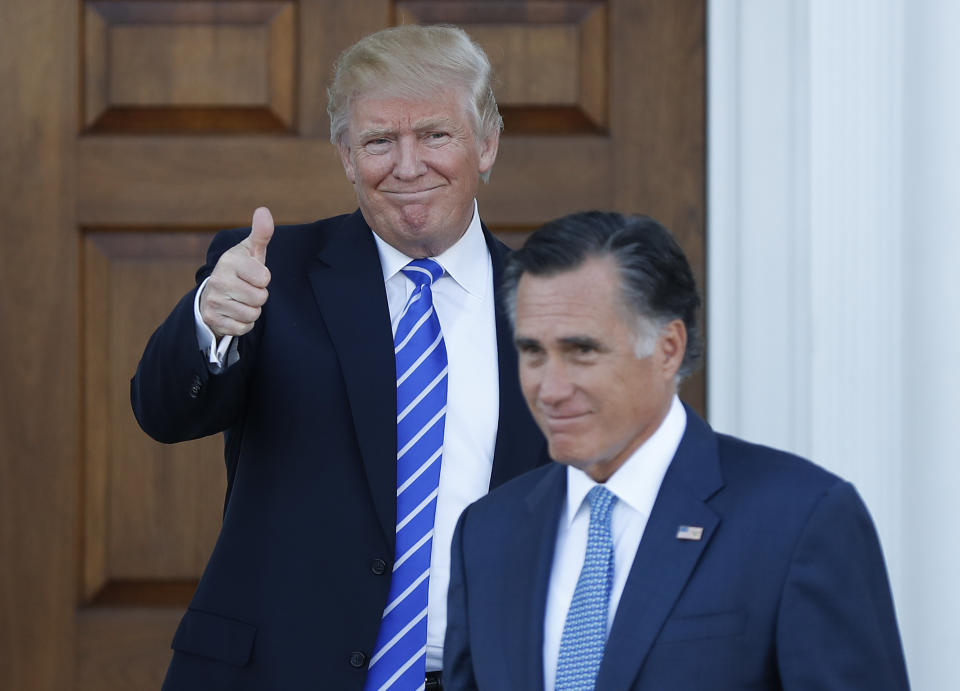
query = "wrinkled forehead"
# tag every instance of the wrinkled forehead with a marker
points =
(444, 100)
(591, 288)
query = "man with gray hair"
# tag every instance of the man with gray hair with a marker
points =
(366, 399)
(654, 554)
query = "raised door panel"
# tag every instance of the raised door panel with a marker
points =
(549, 58)
(189, 66)
(150, 510)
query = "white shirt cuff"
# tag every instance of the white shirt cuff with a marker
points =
(216, 353)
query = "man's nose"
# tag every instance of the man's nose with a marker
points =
(408, 164)
(556, 385)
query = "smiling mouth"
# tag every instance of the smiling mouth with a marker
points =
(562, 421)
(410, 193)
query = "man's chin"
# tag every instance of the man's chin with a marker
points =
(415, 216)
(562, 453)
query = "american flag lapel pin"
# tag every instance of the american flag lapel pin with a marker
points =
(689, 532)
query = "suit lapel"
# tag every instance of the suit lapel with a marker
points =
(359, 328)
(348, 285)
(520, 446)
(663, 563)
(530, 558)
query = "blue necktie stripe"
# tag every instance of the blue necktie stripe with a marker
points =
(411, 320)
(418, 526)
(411, 679)
(416, 382)
(411, 473)
(415, 345)
(432, 397)
(415, 448)
(415, 514)
(423, 438)
(412, 567)
(405, 609)
(585, 629)
(420, 414)
(401, 650)
(419, 365)
(407, 474)
(415, 494)
(399, 661)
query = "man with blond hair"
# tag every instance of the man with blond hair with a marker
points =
(365, 384)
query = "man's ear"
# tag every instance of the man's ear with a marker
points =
(488, 152)
(671, 347)
(347, 162)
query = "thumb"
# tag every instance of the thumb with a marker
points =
(261, 230)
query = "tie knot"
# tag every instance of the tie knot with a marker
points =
(601, 503)
(423, 271)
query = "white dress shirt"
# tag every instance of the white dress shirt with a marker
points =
(464, 301)
(635, 484)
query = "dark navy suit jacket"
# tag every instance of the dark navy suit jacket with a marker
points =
(293, 593)
(786, 589)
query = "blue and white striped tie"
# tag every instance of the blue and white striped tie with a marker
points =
(399, 658)
(585, 630)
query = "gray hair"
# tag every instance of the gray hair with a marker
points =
(415, 62)
(656, 281)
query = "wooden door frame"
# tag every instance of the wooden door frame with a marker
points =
(39, 463)
(41, 434)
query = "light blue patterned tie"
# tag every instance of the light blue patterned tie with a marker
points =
(399, 658)
(585, 630)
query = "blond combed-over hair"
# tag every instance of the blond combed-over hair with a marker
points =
(414, 62)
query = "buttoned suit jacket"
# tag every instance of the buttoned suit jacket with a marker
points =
(785, 589)
(293, 593)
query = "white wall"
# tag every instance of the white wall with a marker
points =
(834, 181)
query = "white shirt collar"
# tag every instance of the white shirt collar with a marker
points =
(637, 482)
(459, 261)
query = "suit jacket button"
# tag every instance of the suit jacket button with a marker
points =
(195, 388)
(378, 566)
(357, 659)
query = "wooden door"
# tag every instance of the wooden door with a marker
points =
(131, 130)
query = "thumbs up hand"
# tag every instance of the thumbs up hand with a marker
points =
(237, 290)
(261, 230)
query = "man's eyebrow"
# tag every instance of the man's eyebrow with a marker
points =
(376, 133)
(428, 124)
(566, 342)
(580, 342)
(425, 125)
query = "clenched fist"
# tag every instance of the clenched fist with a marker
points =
(231, 300)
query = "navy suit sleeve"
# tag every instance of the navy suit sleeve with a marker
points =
(836, 627)
(457, 659)
(173, 394)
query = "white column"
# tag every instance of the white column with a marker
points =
(806, 294)
(758, 314)
(804, 212)
(855, 183)
(930, 608)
